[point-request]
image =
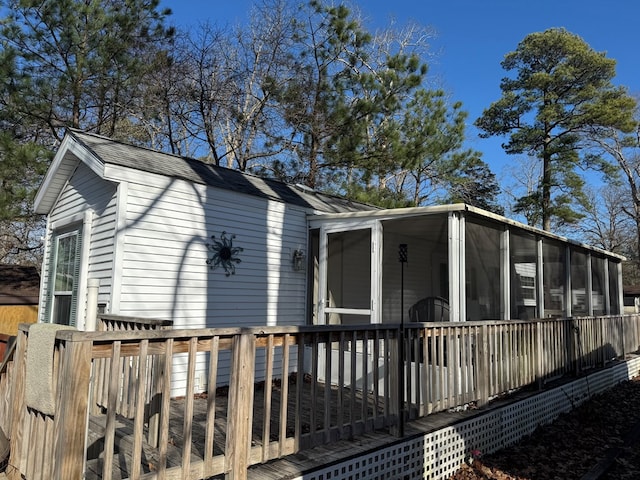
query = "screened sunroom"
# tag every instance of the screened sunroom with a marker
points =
(452, 263)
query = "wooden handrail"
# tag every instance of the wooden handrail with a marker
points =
(136, 321)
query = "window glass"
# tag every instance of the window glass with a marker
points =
(65, 263)
(553, 263)
(65, 270)
(523, 268)
(482, 255)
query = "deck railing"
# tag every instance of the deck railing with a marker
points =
(126, 409)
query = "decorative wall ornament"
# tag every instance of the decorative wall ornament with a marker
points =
(223, 253)
(298, 259)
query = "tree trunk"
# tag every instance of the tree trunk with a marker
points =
(636, 219)
(546, 186)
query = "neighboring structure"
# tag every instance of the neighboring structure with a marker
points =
(19, 287)
(204, 246)
(631, 298)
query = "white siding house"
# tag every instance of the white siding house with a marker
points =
(141, 221)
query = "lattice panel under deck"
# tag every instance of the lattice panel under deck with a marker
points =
(439, 454)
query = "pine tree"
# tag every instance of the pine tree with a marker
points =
(78, 63)
(560, 88)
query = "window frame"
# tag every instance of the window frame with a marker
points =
(79, 225)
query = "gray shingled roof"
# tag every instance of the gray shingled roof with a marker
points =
(139, 158)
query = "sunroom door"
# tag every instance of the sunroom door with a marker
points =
(349, 275)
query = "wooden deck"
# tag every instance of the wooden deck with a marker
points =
(297, 397)
(287, 467)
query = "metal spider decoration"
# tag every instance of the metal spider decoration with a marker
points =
(223, 253)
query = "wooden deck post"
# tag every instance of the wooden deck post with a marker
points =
(621, 334)
(158, 366)
(238, 441)
(539, 355)
(575, 352)
(70, 421)
(482, 365)
(18, 407)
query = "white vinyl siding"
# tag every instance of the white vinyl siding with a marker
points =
(87, 199)
(164, 271)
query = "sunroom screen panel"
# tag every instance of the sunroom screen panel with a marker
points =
(579, 300)
(523, 268)
(482, 256)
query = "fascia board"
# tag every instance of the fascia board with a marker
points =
(64, 163)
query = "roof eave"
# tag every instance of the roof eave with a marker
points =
(69, 155)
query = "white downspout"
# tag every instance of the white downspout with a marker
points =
(91, 320)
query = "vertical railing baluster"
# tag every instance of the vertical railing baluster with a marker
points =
(138, 424)
(313, 395)
(365, 378)
(354, 381)
(376, 375)
(299, 391)
(209, 449)
(340, 403)
(328, 351)
(284, 396)
(266, 405)
(165, 409)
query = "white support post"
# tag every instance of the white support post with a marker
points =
(620, 289)
(90, 323)
(568, 294)
(455, 282)
(607, 293)
(505, 283)
(376, 272)
(540, 275)
(589, 289)
(322, 277)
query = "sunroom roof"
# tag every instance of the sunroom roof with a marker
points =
(356, 218)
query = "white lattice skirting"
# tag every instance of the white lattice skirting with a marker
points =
(439, 454)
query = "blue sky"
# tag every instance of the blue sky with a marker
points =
(472, 38)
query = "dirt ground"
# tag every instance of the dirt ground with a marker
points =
(600, 438)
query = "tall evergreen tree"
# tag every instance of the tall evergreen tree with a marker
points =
(361, 120)
(64, 63)
(78, 63)
(560, 88)
(435, 165)
(20, 164)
